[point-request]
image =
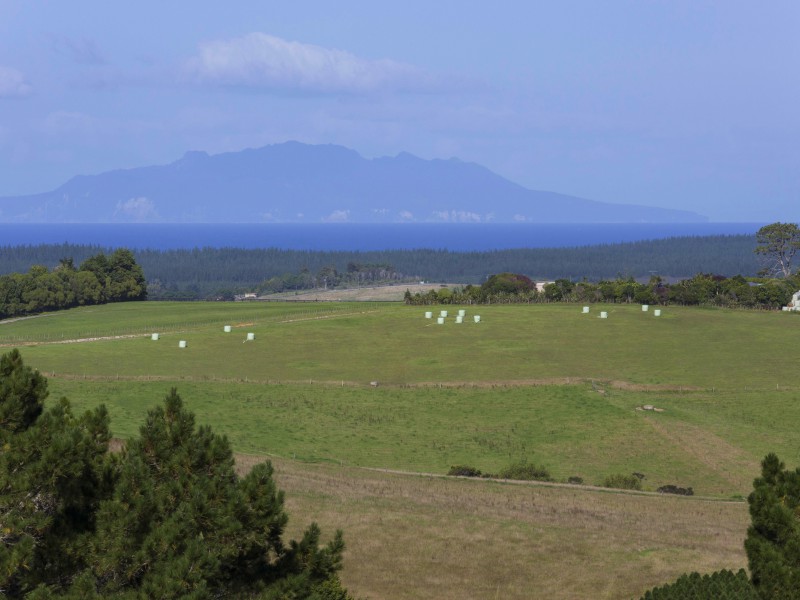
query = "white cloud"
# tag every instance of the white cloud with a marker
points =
(406, 215)
(265, 61)
(338, 216)
(459, 216)
(137, 209)
(12, 83)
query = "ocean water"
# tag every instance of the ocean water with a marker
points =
(359, 237)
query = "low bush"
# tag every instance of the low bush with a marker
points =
(577, 480)
(464, 471)
(623, 482)
(525, 471)
(674, 489)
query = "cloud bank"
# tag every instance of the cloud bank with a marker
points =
(137, 209)
(337, 216)
(12, 83)
(463, 216)
(260, 60)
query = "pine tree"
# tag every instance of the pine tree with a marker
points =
(720, 585)
(181, 523)
(22, 395)
(773, 538)
(52, 477)
(166, 518)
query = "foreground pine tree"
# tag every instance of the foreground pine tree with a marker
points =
(773, 538)
(53, 475)
(720, 585)
(166, 518)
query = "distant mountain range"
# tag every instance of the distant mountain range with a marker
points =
(300, 183)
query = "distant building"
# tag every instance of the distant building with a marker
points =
(247, 296)
(540, 285)
(795, 303)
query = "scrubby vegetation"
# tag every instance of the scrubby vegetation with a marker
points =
(623, 482)
(519, 471)
(674, 489)
(525, 471)
(464, 471)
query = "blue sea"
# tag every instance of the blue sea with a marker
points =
(357, 237)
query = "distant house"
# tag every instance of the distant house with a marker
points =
(795, 303)
(540, 285)
(247, 296)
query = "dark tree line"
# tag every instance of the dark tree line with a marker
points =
(329, 277)
(701, 290)
(222, 272)
(98, 280)
(168, 517)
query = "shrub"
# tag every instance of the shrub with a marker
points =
(525, 471)
(464, 471)
(623, 482)
(577, 480)
(674, 489)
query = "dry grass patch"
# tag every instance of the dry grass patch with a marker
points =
(430, 537)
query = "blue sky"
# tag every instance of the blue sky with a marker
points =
(680, 104)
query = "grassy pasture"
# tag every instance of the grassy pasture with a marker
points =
(479, 394)
(573, 430)
(543, 383)
(685, 347)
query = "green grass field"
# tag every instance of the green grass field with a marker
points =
(685, 347)
(543, 383)
(709, 441)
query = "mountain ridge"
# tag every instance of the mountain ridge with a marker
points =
(294, 182)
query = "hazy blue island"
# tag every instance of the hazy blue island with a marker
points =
(300, 183)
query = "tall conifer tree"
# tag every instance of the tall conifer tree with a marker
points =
(168, 517)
